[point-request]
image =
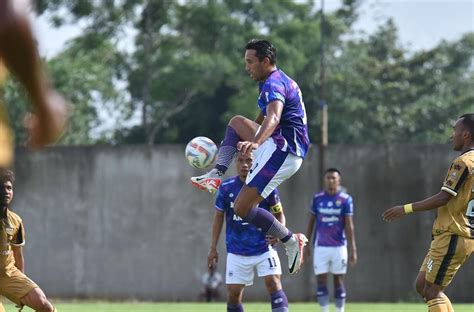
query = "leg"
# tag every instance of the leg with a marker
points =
(36, 300)
(245, 206)
(420, 283)
(238, 129)
(339, 292)
(322, 293)
(434, 298)
(234, 297)
(446, 255)
(278, 298)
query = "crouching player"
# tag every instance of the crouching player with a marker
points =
(14, 284)
(247, 246)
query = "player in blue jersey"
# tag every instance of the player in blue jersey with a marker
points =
(331, 220)
(247, 246)
(279, 139)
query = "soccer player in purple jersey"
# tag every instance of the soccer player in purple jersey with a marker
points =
(331, 220)
(247, 247)
(279, 139)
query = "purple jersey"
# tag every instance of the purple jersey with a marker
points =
(242, 238)
(330, 212)
(291, 134)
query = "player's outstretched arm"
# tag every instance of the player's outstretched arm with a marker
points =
(18, 51)
(435, 201)
(213, 256)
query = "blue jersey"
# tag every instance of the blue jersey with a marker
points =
(242, 238)
(330, 212)
(292, 132)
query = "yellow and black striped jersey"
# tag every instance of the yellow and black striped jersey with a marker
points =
(12, 233)
(457, 216)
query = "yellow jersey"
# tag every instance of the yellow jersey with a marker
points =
(6, 137)
(457, 216)
(12, 233)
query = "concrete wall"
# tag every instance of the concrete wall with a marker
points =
(124, 222)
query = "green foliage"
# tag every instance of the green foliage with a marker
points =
(185, 73)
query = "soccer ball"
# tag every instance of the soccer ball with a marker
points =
(201, 152)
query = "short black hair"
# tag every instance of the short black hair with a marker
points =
(263, 48)
(468, 121)
(7, 175)
(332, 170)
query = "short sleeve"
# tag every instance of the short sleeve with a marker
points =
(457, 174)
(349, 207)
(18, 238)
(220, 201)
(273, 91)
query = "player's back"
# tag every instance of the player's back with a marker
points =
(457, 216)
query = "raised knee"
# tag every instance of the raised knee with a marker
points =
(236, 120)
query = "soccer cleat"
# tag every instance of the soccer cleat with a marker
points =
(294, 250)
(208, 182)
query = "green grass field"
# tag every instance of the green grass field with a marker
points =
(221, 307)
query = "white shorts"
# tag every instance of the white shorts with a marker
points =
(240, 269)
(330, 260)
(271, 167)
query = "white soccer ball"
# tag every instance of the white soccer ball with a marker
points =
(201, 152)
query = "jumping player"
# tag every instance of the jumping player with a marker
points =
(247, 247)
(279, 139)
(453, 229)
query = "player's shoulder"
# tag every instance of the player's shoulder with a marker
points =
(319, 195)
(14, 216)
(345, 195)
(227, 184)
(466, 159)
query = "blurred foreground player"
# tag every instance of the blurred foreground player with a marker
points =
(453, 229)
(18, 55)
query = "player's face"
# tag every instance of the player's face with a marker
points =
(253, 66)
(332, 180)
(6, 193)
(457, 138)
(244, 163)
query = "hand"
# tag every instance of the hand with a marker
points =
(271, 240)
(352, 258)
(246, 147)
(47, 123)
(393, 213)
(212, 258)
